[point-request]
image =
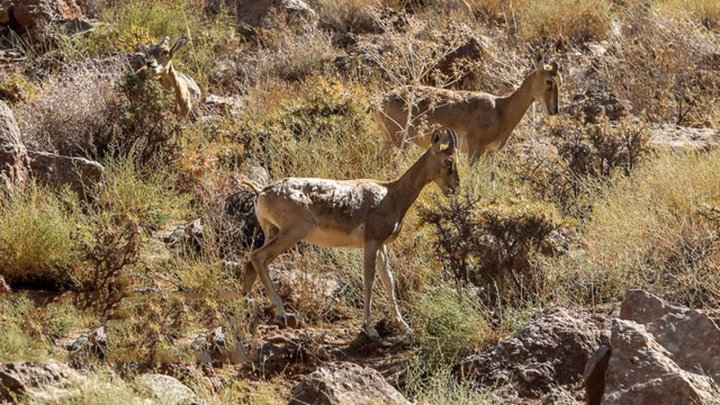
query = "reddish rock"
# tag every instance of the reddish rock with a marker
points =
(548, 353)
(662, 353)
(41, 382)
(32, 13)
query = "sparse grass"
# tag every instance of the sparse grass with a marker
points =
(444, 388)
(648, 231)
(565, 20)
(449, 322)
(146, 198)
(16, 341)
(36, 238)
(707, 12)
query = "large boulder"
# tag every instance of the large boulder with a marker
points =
(551, 352)
(661, 353)
(41, 382)
(29, 14)
(345, 383)
(14, 163)
(56, 171)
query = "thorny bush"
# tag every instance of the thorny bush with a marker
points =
(490, 245)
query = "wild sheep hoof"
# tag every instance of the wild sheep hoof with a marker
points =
(293, 321)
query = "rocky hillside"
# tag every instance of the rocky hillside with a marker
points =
(577, 263)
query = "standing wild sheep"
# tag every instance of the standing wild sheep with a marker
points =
(364, 214)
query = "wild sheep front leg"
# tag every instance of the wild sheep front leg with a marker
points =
(389, 282)
(371, 251)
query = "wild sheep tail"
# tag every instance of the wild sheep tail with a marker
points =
(255, 187)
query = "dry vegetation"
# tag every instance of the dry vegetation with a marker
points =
(571, 212)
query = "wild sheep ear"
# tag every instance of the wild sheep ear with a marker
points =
(179, 44)
(539, 61)
(436, 141)
(142, 48)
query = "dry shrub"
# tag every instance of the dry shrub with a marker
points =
(149, 331)
(286, 54)
(77, 110)
(126, 205)
(345, 17)
(707, 12)
(585, 153)
(490, 245)
(676, 57)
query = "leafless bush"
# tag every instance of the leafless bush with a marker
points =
(114, 243)
(672, 55)
(77, 110)
(585, 152)
(491, 245)
(286, 54)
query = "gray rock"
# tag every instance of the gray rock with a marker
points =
(4, 286)
(684, 138)
(43, 382)
(345, 383)
(548, 353)
(14, 165)
(88, 346)
(168, 389)
(56, 171)
(662, 354)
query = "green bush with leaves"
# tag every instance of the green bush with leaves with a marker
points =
(148, 128)
(448, 322)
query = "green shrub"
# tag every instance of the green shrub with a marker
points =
(36, 243)
(448, 322)
(149, 127)
(321, 130)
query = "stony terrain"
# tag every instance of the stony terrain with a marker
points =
(578, 264)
